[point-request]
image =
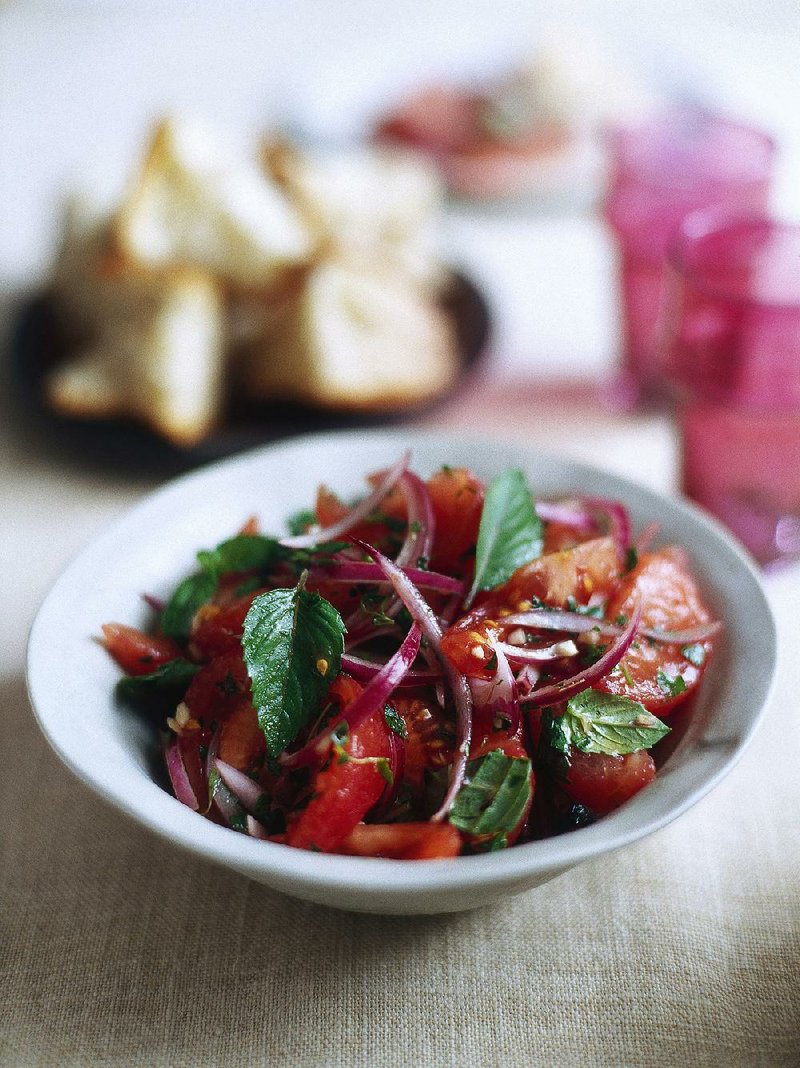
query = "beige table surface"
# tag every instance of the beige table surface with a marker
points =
(115, 949)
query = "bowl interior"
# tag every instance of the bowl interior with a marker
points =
(71, 678)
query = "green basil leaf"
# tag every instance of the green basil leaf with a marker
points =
(596, 722)
(510, 533)
(157, 693)
(494, 798)
(194, 591)
(288, 636)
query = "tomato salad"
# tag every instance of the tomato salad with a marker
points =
(442, 668)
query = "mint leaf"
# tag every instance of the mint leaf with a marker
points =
(194, 591)
(244, 552)
(596, 722)
(493, 800)
(292, 644)
(672, 687)
(301, 521)
(158, 693)
(510, 533)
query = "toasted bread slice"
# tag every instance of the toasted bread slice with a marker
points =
(357, 338)
(191, 206)
(157, 357)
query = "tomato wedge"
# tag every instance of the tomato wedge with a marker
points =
(343, 793)
(603, 783)
(135, 652)
(651, 671)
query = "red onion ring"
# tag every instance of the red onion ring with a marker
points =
(255, 830)
(562, 691)
(244, 789)
(362, 572)
(421, 521)
(371, 698)
(564, 514)
(577, 623)
(522, 654)
(364, 670)
(178, 775)
(619, 521)
(462, 695)
(356, 514)
(500, 694)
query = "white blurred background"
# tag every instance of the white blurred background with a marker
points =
(80, 83)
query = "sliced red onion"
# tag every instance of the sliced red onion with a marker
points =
(178, 775)
(356, 514)
(619, 521)
(566, 514)
(365, 631)
(364, 670)
(520, 654)
(364, 573)
(227, 804)
(249, 793)
(527, 677)
(156, 603)
(462, 695)
(700, 633)
(577, 623)
(421, 521)
(562, 691)
(499, 695)
(255, 830)
(372, 697)
(558, 619)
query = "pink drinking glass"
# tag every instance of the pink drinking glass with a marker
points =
(660, 172)
(733, 358)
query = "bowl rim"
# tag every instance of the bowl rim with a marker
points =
(288, 868)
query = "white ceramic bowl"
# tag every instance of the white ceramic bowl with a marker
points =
(71, 678)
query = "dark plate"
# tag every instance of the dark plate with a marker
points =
(37, 344)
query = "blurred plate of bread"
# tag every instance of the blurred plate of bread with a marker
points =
(225, 294)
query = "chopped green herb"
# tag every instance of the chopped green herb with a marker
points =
(631, 558)
(394, 721)
(670, 686)
(384, 769)
(621, 619)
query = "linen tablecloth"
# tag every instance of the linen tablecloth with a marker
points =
(115, 949)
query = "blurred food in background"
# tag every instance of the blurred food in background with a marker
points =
(532, 133)
(220, 279)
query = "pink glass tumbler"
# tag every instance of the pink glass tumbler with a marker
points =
(661, 171)
(733, 359)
